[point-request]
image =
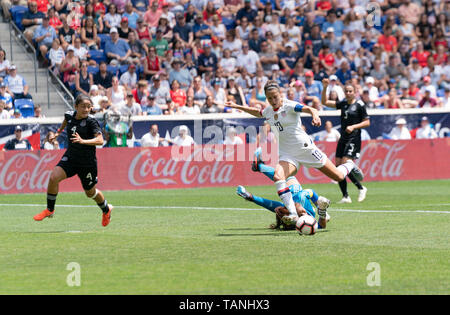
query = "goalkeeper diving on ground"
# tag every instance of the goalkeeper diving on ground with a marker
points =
(306, 200)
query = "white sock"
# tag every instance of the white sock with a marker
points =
(346, 168)
(286, 196)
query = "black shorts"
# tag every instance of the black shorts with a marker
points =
(87, 174)
(349, 148)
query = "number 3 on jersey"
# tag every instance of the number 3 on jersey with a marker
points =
(279, 126)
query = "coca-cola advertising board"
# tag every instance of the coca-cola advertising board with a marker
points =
(217, 165)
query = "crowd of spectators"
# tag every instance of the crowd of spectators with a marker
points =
(170, 57)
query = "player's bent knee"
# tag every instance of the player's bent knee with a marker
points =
(91, 193)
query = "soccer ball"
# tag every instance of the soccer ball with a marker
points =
(306, 225)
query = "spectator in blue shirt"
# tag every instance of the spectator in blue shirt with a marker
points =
(183, 31)
(333, 22)
(182, 75)
(5, 96)
(31, 20)
(152, 108)
(288, 58)
(130, 15)
(140, 5)
(246, 11)
(16, 84)
(117, 50)
(44, 36)
(200, 29)
(313, 89)
(207, 61)
(344, 73)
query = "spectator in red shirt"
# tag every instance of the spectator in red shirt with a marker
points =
(99, 7)
(326, 58)
(54, 21)
(439, 38)
(387, 40)
(420, 54)
(209, 12)
(441, 56)
(42, 6)
(177, 95)
(427, 100)
(323, 5)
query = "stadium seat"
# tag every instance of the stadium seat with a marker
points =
(103, 39)
(229, 23)
(92, 69)
(98, 55)
(113, 69)
(123, 69)
(26, 107)
(17, 13)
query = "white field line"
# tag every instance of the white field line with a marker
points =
(217, 208)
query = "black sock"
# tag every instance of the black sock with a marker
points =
(343, 187)
(51, 200)
(104, 206)
(355, 181)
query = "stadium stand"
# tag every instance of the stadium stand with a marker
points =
(389, 49)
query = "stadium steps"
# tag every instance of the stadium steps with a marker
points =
(25, 67)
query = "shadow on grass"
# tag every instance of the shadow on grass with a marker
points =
(269, 232)
(259, 234)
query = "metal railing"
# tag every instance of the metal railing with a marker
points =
(67, 96)
(14, 27)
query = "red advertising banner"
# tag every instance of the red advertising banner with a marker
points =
(217, 165)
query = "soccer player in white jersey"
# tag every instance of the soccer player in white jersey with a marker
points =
(295, 146)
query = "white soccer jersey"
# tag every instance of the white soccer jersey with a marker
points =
(295, 146)
(288, 123)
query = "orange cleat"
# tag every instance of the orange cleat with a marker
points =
(106, 217)
(44, 214)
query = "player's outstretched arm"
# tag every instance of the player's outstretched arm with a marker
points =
(325, 100)
(316, 121)
(60, 130)
(251, 110)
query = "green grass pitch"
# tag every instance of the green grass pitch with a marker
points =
(210, 241)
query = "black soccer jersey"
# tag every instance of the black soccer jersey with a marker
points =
(88, 128)
(351, 114)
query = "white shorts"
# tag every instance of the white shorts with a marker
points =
(311, 156)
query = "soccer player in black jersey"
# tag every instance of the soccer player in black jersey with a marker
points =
(84, 134)
(353, 117)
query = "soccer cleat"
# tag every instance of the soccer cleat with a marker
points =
(244, 193)
(357, 173)
(345, 200)
(362, 194)
(106, 217)
(289, 219)
(42, 215)
(323, 203)
(257, 160)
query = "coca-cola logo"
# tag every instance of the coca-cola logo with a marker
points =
(146, 169)
(388, 164)
(26, 171)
